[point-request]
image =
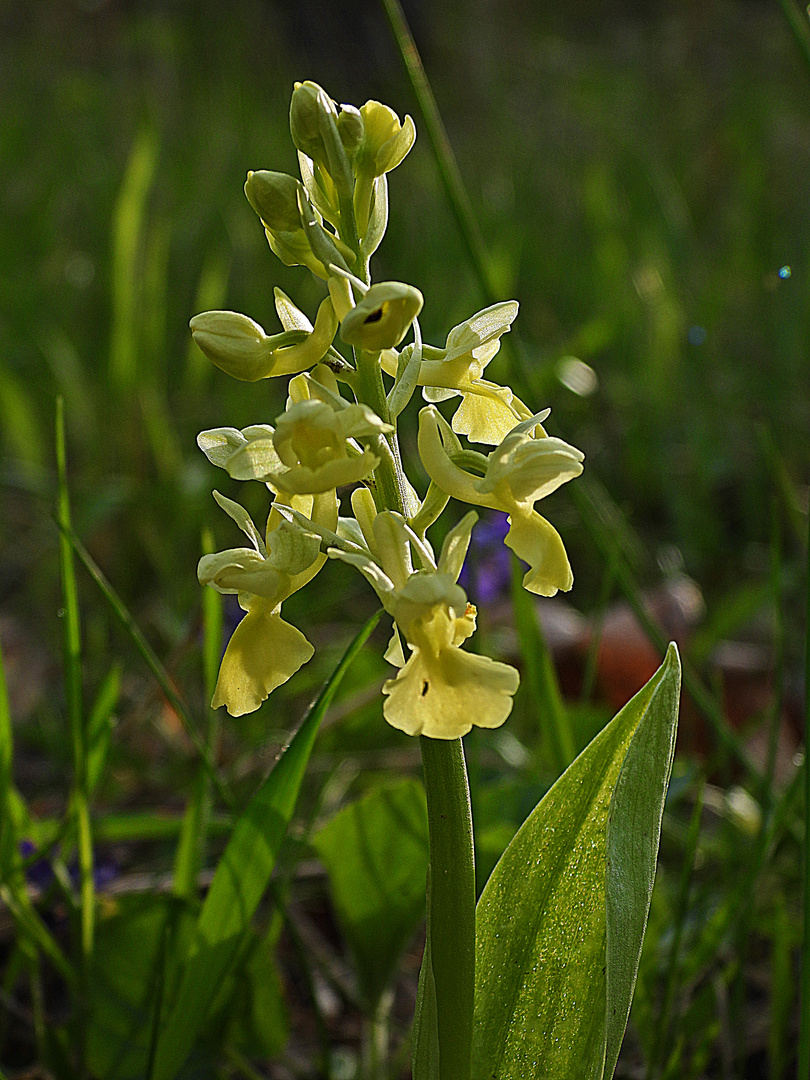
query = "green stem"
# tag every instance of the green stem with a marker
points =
(370, 391)
(451, 903)
(80, 805)
(804, 1024)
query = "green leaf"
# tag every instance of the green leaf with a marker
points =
(376, 854)
(257, 1020)
(240, 882)
(560, 922)
(540, 676)
(127, 969)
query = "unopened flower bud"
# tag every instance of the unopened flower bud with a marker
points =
(314, 129)
(308, 101)
(235, 343)
(382, 318)
(274, 197)
(350, 128)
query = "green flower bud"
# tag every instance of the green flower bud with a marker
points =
(241, 348)
(307, 104)
(351, 129)
(382, 318)
(274, 197)
(235, 343)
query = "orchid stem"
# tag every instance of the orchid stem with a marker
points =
(450, 903)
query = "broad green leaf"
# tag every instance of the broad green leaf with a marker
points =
(560, 922)
(240, 882)
(633, 834)
(376, 853)
(257, 1020)
(127, 970)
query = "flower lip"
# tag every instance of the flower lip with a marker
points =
(383, 316)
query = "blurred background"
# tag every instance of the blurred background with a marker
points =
(641, 176)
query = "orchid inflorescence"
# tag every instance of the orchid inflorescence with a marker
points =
(332, 221)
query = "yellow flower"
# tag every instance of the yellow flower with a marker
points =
(241, 348)
(487, 411)
(313, 447)
(315, 444)
(518, 472)
(385, 144)
(264, 650)
(385, 141)
(440, 691)
(383, 316)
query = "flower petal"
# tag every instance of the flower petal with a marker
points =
(443, 697)
(539, 544)
(485, 418)
(264, 652)
(531, 468)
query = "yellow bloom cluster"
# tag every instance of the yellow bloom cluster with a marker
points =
(339, 431)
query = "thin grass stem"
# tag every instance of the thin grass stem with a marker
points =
(450, 175)
(442, 150)
(775, 717)
(79, 801)
(804, 993)
(150, 659)
(797, 20)
(190, 854)
(681, 910)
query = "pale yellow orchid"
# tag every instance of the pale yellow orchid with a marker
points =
(382, 317)
(241, 348)
(313, 448)
(264, 650)
(521, 470)
(440, 691)
(385, 144)
(314, 443)
(487, 412)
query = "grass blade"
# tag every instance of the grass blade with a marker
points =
(240, 881)
(99, 726)
(191, 848)
(804, 997)
(681, 911)
(79, 801)
(797, 20)
(149, 656)
(29, 926)
(127, 241)
(8, 838)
